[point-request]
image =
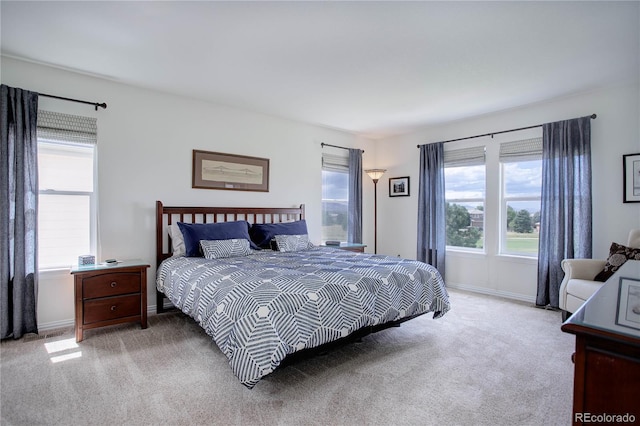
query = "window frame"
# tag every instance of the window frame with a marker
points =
(468, 157)
(57, 131)
(521, 151)
(334, 164)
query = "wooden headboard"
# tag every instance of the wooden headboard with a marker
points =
(165, 216)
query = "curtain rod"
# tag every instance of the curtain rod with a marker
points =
(592, 116)
(336, 146)
(95, 104)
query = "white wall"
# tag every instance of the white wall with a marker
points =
(615, 132)
(145, 143)
(144, 154)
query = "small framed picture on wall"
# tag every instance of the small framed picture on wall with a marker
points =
(631, 173)
(399, 186)
(628, 314)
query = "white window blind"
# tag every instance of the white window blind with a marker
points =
(522, 150)
(66, 128)
(335, 163)
(472, 156)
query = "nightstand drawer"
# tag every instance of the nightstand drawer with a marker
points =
(111, 308)
(111, 284)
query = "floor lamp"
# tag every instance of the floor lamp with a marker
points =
(375, 175)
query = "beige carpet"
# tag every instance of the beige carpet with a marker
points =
(489, 361)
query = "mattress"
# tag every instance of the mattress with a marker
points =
(262, 307)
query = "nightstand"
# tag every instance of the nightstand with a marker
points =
(107, 295)
(349, 246)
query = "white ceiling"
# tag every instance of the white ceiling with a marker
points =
(372, 68)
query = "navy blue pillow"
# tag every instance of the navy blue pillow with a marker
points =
(194, 232)
(262, 233)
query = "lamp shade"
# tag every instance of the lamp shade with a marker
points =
(375, 174)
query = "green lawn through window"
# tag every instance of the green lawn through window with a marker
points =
(522, 243)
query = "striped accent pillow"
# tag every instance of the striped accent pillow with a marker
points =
(177, 240)
(220, 249)
(288, 243)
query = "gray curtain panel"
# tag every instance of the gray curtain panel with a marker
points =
(18, 212)
(431, 207)
(355, 196)
(565, 214)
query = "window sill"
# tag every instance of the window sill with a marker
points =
(465, 253)
(521, 258)
(57, 271)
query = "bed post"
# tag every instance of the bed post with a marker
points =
(159, 246)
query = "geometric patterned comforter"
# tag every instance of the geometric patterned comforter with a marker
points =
(260, 308)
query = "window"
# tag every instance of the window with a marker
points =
(521, 175)
(335, 197)
(465, 177)
(66, 200)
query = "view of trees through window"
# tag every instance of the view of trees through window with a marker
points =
(522, 183)
(461, 229)
(465, 194)
(519, 205)
(523, 226)
(521, 222)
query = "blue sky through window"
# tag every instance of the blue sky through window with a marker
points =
(335, 185)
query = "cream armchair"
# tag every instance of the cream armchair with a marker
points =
(578, 285)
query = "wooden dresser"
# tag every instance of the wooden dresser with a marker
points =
(607, 356)
(108, 295)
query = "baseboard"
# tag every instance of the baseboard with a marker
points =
(492, 292)
(53, 325)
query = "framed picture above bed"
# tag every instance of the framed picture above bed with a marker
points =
(216, 170)
(399, 186)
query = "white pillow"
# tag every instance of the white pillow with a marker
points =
(177, 240)
(288, 243)
(220, 249)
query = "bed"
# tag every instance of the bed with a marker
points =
(252, 280)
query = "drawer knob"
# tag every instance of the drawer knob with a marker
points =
(113, 284)
(113, 308)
